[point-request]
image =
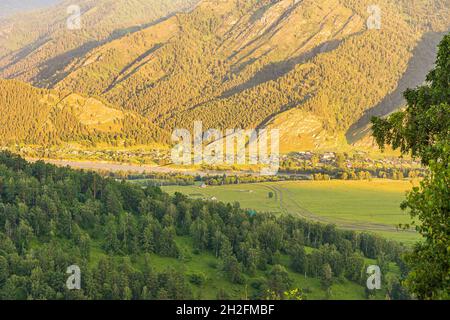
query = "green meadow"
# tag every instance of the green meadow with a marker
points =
(372, 206)
(207, 265)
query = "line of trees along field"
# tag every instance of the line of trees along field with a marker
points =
(51, 218)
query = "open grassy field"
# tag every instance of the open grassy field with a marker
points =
(356, 205)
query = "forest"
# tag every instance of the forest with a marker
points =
(34, 116)
(231, 64)
(201, 66)
(115, 88)
(51, 218)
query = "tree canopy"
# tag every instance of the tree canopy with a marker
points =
(423, 130)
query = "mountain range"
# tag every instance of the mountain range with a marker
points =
(313, 69)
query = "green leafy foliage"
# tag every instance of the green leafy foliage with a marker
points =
(423, 130)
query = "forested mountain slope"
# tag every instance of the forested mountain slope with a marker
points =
(47, 117)
(36, 46)
(310, 68)
(241, 63)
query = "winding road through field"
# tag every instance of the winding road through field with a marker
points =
(289, 204)
(285, 199)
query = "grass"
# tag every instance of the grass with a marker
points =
(207, 264)
(372, 206)
(362, 205)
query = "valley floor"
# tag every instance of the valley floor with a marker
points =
(356, 205)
